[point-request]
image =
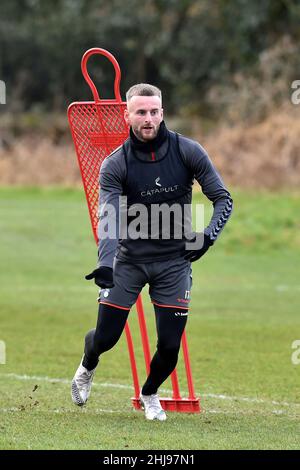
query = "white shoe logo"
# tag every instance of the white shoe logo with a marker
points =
(157, 181)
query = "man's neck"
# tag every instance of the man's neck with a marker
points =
(150, 145)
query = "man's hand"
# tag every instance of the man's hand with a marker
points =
(103, 277)
(194, 255)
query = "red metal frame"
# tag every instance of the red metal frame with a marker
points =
(112, 59)
(98, 127)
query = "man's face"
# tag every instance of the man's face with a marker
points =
(144, 114)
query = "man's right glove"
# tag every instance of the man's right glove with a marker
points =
(103, 277)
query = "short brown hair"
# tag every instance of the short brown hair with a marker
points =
(143, 89)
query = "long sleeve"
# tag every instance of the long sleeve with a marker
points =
(211, 183)
(111, 189)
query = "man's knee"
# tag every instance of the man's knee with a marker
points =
(97, 342)
(89, 341)
(103, 343)
(169, 349)
(111, 321)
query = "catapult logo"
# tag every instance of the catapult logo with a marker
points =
(159, 189)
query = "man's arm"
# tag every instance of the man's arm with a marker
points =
(111, 179)
(198, 161)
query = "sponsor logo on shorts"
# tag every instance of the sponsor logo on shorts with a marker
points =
(185, 301)
(181, 314)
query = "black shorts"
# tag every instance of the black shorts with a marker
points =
(169, 282)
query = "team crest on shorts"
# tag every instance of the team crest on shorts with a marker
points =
(106, 293)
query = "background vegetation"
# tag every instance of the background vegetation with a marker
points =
(225, 68)
(203, 53)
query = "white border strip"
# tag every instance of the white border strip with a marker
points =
(129, 387)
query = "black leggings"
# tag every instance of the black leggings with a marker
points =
(170, 324)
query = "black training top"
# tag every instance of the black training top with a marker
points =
(149, 175)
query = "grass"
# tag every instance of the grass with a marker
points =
(244, 318)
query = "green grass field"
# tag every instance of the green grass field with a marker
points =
(244, 318)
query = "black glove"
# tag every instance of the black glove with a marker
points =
(194, 255)
(103, 277)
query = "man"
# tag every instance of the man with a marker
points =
(154, 169)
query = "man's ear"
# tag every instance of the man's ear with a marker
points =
(126, 116)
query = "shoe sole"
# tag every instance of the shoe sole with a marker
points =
(163, 418)
(156, 418)
(76, 398)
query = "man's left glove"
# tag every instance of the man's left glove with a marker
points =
(103, 277)
(194, 255)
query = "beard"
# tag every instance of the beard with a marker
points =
(143, 134)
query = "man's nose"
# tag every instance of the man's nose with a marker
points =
(148, 117)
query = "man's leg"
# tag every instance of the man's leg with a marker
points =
(170, 324)
(110, 324)
(169, 290)
(114, 307)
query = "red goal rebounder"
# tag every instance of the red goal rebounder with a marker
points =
(98, 127)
